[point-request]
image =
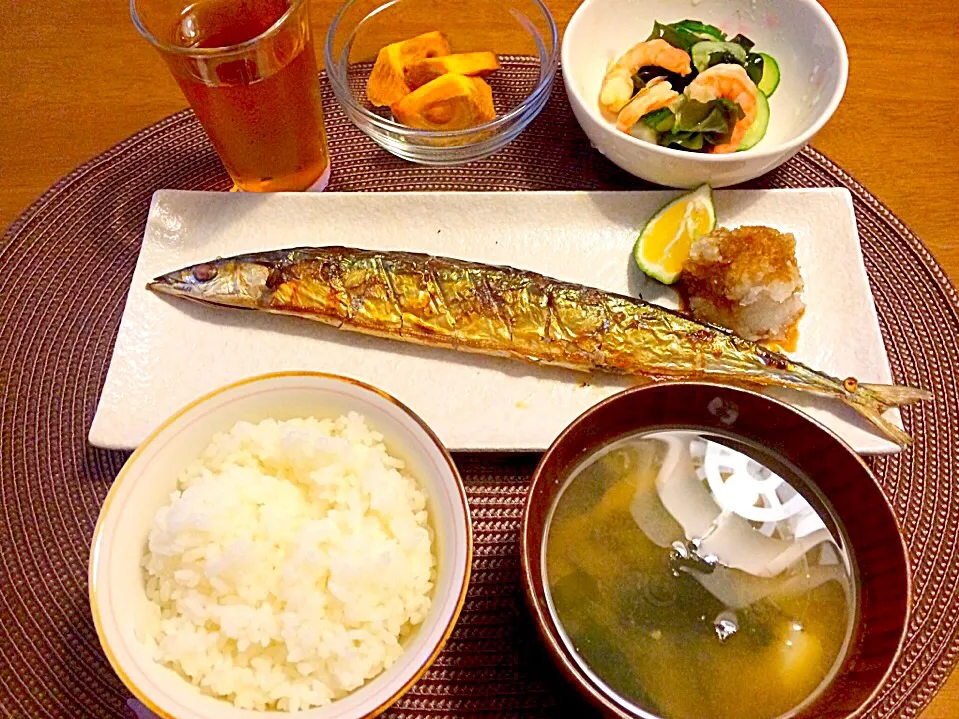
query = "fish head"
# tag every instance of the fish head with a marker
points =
(234, 282)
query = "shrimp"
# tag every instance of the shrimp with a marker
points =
(731, 82)
(652, 97)
(617, 87)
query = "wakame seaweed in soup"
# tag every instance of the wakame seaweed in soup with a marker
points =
(693, 581)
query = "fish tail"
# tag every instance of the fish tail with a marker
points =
(895, 395)
(871, 400)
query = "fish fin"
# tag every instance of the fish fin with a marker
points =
(894, 395)
(871, 400)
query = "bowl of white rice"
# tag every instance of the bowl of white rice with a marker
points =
(295, 542)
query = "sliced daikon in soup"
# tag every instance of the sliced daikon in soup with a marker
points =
(691, 580)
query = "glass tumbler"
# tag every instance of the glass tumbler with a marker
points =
(248, 70)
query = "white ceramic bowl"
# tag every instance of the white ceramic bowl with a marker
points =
(117, 595)
(798, 33)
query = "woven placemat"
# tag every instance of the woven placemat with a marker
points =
(65, 267)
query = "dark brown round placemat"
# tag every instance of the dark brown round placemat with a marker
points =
(65, 267)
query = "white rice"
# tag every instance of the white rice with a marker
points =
(291, 562)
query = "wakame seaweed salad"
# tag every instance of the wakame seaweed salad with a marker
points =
(691, 87)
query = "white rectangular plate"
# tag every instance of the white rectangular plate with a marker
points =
(169, 351)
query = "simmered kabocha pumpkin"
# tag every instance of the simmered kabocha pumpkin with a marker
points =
(474, 64)
(387, 83)
(449, 102)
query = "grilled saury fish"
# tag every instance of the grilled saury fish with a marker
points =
(502, 311)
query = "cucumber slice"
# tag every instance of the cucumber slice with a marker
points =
(770, 80)
(702, 53)
(642, 131)
(701, 30)
(756, 131)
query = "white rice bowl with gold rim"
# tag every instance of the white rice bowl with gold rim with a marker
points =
(289, 563)
(250, 560)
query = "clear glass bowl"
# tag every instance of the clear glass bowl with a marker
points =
(521, 32)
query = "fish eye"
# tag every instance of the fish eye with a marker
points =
(204, 272)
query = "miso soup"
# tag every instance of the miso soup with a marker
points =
(694, 582)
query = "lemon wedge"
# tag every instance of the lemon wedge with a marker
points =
(663, 246)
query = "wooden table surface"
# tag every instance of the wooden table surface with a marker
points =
(78, 78)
